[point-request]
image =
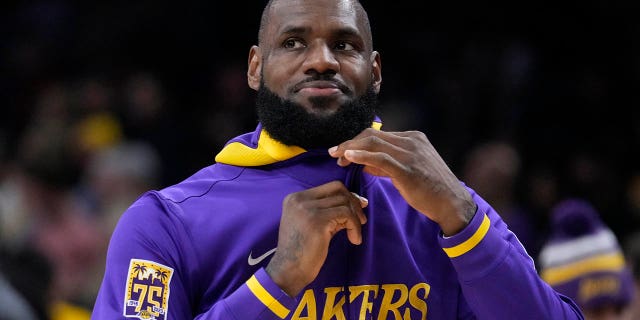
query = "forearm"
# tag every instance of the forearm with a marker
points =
(498, 278)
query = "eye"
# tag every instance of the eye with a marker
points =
(345, 46)
(292, 43)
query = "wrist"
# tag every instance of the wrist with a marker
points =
(459, 218)
(285, 279)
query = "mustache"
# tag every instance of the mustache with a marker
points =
(322, 77)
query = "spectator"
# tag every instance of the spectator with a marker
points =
(493, 169)
(582, 259)
(25, 283)
(632, 253)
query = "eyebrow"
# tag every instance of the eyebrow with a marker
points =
(341, 32)
(291, 30)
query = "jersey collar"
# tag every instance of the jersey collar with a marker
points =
(259, 148)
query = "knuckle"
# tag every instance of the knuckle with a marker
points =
(341, 198)
(374, 141)
(420, 135)
(347, 211)
(335, 184)
(416, 139)
(370, 131)
(386, 158)
(292, 199)
(416, 133)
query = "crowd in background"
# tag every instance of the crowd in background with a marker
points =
(103, 101)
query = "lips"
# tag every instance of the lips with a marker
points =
(320, 84)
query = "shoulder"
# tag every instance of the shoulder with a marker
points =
(199, 183)
(173, 199)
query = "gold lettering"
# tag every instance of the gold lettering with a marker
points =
(307, 302)
(420, 302)
(154, 292)
(398, 301)
(592, 287)
(152, 295)
(367, 305)
(143, 293)
(388, 305)
(331, 309)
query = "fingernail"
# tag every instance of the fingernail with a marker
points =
(333, 149)
(361, 198)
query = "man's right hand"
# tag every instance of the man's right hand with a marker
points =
(310, 218)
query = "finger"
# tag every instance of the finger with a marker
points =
(350, 224)
(333, 195)
(324, 190)
(347, 199)
(372, 143)
(397, 144)
(338, 150)
(354, 232)
(364, 202)
(376, 163)
(395, 138)
(344, 217)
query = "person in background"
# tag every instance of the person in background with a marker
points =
(632, 253)
(582, 259)
(319, 213)
(493, 169)
(25, 281)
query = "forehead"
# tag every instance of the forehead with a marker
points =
(313, 15)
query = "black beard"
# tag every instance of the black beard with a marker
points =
(289, 122)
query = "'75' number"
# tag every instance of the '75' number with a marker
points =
(153, 295)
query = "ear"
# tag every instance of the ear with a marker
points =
(254, 71)
(376, 70)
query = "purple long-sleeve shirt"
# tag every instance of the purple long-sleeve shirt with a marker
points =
(198, 249)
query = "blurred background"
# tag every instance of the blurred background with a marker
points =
(528, 103)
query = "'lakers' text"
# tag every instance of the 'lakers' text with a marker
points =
(387, 301)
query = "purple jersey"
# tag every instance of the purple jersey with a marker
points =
(198, 249)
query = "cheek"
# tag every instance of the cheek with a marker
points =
(361, 78)
(277, 78)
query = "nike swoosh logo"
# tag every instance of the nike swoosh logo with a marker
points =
(253, 261)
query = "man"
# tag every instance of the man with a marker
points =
(317, 215)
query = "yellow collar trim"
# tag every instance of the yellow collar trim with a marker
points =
(268, 151)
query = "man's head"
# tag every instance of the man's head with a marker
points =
(315, 71)
(582, 259)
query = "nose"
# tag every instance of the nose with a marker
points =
(320, 59)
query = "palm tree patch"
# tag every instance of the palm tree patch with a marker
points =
(147, 291)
